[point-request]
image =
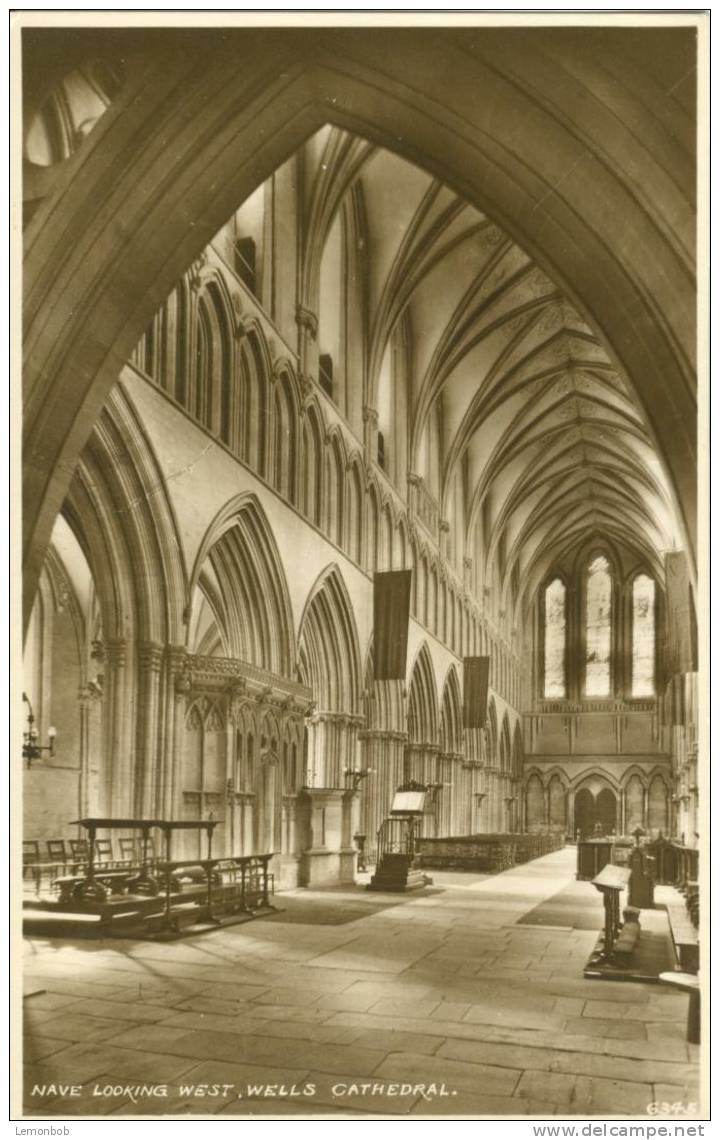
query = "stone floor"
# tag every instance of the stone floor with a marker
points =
(357, 1004)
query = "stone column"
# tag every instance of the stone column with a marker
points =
(150, 656)
(178, 685)
(118, 790)
(449, 772)
(322, 817)
(332, 746)
(383, 758)
(88, 699)
(645, 808)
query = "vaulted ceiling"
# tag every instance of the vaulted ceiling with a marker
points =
(551, 443)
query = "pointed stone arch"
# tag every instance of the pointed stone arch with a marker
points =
(422, 700)
(286, 414)
(328, 663)
(373, 543)
(505, 744)
(328, 645)
(492, 733)
(518, 752)
(451, 729)
(255, 615)
(135, 555)
(354, 499)
(311, 462)
(334, 485)
(212, 402)
(255, 371)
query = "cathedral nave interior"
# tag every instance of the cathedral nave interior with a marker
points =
(361, 372)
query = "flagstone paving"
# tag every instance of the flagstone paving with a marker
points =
(349, 1004)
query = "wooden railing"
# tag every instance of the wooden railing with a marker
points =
(486, 852)
(396, 837)
(675, 865)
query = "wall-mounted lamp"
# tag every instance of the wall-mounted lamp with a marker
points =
(31, 749)
(357, 775)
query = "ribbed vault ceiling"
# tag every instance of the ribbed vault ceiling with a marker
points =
(535, 418)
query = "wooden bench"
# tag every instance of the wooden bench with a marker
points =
(72, 887)
(684, 936)
(690, 983)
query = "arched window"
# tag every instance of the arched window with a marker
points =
(598, 613)
(555, 626)
(643, 636)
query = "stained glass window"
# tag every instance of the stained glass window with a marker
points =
(598, 608)
(555, 640)
(643, 637)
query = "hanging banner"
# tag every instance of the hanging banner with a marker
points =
(476, 676)
(391, 605)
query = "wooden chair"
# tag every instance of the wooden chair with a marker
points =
(31, 861)
(79, 850)
(57, 852)
(149, 849)
(103, 850)
(128, 849)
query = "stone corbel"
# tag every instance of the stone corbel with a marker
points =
(306, 320)
(195, 273)
(97, 651)
(90, 693)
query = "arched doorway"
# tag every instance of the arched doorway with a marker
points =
(584, 812)
(606, 804)
(595, 810)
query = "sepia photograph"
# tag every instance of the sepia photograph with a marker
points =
(360, 764)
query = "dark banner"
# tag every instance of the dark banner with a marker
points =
(476, 674)
(391, 617)
(681, 630)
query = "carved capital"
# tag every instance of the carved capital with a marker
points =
(150, 656)
(370, 415)
(116, 653)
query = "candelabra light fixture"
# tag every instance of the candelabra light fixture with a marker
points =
(356, 776)
(31, 749)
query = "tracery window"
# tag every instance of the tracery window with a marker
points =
(643, 636)
(598, 632)
(555, 632)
